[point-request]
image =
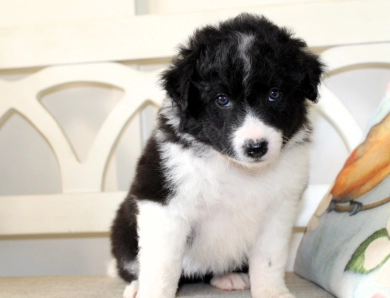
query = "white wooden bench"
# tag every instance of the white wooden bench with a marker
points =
(127, 51)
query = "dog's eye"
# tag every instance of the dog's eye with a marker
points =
(274, 94)
(223, 101)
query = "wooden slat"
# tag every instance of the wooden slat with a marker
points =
(308, 205)
(346, 56)
(139, 88)
(58, 213)
(69, 213)
(27, 12)
(333, 110)
(321, 24)
(182, 6)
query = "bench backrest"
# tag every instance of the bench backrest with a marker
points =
(127, 53)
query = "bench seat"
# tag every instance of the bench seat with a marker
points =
(103, 286)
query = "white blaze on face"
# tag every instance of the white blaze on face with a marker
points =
(245, 43)
(254, 129)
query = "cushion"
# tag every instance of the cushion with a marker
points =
(346, 247)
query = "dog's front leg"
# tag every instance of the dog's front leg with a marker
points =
(268, 257)
(162, 240)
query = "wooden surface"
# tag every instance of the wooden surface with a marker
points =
(102, 287)
(321, 24)
(22, 96)
(43, 12)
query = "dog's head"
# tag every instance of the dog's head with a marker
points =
(242, 86)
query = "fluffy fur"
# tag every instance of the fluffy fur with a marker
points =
(217, 186)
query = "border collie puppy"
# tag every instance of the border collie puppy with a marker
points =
(217, 186)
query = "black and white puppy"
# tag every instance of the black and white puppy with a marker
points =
(217, 185)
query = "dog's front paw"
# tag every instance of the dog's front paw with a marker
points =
(131, 291)
(231, 282)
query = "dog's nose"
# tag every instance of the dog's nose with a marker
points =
(256, 149)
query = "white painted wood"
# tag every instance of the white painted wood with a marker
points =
(67, 213)
(139, 87)
(148, 121)
(27, 12)
(338, 115)
(309, 202)
(58, 213)
(71, 213)
(187, 6)
(344, 57)
(156, 36)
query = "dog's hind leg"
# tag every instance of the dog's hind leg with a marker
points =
(231, 282)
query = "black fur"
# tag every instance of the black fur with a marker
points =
(150, 182)
(209, 65)
(124, 239)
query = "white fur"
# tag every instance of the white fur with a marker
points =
(132, 267)
(162, 237)
(245, 43)
(222, 214)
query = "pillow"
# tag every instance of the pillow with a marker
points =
(346, 246)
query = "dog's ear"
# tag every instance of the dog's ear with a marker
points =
(177, 79)
(313, 69)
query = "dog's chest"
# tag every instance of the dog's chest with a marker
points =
(226, 206)
(221, 239)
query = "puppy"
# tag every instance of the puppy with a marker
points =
(218, 183)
